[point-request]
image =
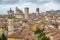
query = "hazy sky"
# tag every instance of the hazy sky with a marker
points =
(32, 4)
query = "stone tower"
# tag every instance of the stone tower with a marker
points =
(10, 22)
(37, 11)
(26, 12)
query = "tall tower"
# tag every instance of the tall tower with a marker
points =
(26, 12)
(37, 11)
(10, 22)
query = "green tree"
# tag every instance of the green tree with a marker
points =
(39, 38)
(42, 35)
(38, 31)
(3, 37)
(0, 38)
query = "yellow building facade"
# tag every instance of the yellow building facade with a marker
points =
(14, 39)
(2, 30)
(38, 26)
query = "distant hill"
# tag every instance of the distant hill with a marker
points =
(54, 11)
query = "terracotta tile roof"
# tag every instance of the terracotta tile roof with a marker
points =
(15, 34)
(17, 25)
(25, 34)
(55, 33)
(3, 24)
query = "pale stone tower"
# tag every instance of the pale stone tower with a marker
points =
(10, 22)
(37, 11)
(26, 12)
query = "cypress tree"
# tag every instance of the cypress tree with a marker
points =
(3, 37)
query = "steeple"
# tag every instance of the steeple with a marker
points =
(10, 13)
(10, 21)
(18, 10)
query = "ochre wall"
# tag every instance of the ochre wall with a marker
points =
(14, 39)
(1, 31)
(37, 26)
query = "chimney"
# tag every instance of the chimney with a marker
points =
(37, 11)
(26, 12)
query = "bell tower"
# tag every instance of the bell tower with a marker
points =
(37, 11)
(26, 12)
(10, 21)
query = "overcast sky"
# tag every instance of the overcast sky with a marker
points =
(44, 5)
